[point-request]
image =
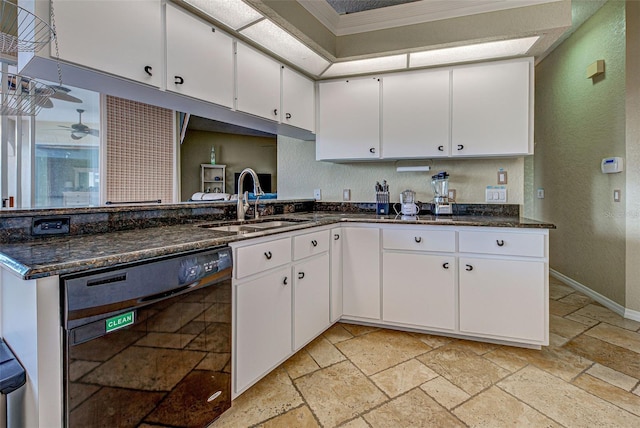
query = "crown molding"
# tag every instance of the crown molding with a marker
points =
(406, 14)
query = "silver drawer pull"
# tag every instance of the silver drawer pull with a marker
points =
(418, 239)
(500, 242)
(214, 396)
(268, 255)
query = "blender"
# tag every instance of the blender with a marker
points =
(440, 185)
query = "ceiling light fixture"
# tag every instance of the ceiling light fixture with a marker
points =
(271, 37)
(371, 65)
(234, 14)
(475, 52)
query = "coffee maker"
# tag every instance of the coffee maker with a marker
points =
(440, 185)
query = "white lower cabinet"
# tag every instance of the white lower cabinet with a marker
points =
(503, 298)
(419, 289)
(361, 272)
(262, 325)
(311, 299)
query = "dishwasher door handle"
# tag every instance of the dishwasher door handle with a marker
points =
(166, 294)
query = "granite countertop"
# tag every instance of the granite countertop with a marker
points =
(72, 254)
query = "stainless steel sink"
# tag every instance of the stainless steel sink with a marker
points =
(253, 226)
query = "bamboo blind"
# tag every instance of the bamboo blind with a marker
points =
(140, 151)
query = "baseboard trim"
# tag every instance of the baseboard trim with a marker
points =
(604, 301)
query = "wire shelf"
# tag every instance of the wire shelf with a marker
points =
(23, 96)
(21, 30)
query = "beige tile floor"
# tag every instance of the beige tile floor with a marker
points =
(354, 376)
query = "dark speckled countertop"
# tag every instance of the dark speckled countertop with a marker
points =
(72, 254)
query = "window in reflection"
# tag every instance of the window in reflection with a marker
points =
(67, 150)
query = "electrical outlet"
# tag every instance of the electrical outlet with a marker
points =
(346, 194)
(317, 194)
(452, 194)
(540, 193)
(502, 177)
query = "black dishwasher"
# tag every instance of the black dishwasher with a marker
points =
(149, 343)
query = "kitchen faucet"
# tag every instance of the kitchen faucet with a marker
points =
(243, 197)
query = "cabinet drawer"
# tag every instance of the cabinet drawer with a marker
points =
(499, 242)
(310, 244)
(419, 240)
(260, 257)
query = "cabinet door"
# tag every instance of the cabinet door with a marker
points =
(298, 100)
(361, 272)
(419, 289)
(415, 114)
(118, 37)
(258, 81)
(491, 109)
(336, 274)
(349, 119)
(311, 297)
(262, 326)
(505, 298)
(199, 59)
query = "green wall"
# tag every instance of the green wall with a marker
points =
(579, 121)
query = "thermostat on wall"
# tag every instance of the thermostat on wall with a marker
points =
(612, 165)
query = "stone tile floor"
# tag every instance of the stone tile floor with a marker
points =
(355, 376)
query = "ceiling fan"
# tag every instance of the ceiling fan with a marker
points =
(80, 130)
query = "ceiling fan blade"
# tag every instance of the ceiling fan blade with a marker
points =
(94, 132)
(75, 136)
(63, 96)
(43, 102)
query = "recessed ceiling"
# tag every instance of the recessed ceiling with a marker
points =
(344, 7)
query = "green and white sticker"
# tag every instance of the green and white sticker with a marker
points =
(119, 321)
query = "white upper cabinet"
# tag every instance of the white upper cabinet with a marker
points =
(492, 109)
(415, 114)
(133, 47)
(258, 83)
(349, 120)
(199, 59)
(298, 100)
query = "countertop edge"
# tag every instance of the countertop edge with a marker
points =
(44, 270)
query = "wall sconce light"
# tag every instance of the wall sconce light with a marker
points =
(595, 69)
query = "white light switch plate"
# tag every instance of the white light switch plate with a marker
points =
(496, 196)
(317, 194)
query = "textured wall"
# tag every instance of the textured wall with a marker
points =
(578, 122)
(235, 151)
(633, 154)
(300, 173)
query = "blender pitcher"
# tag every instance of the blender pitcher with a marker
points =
(440, 186)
